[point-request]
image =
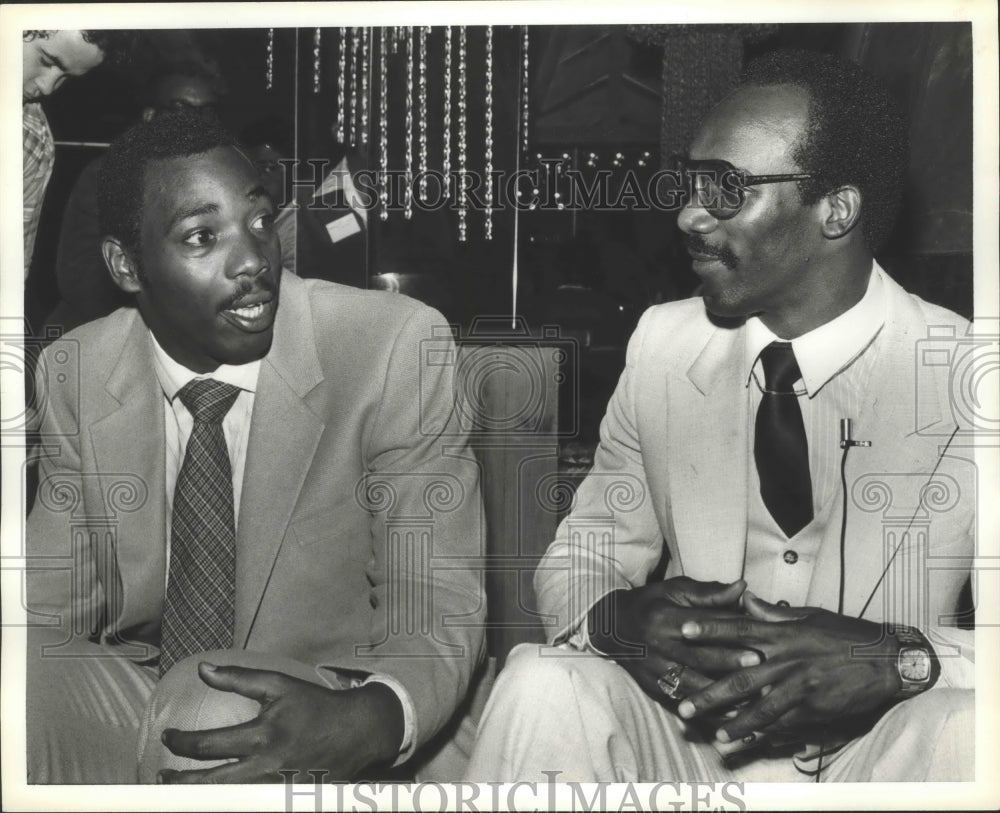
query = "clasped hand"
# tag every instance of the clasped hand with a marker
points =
(301, 726)
(818, 668)
(750, 667)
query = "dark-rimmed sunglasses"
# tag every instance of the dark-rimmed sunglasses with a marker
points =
(719, 187)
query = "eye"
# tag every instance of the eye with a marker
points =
(264, 222)
(199, 238)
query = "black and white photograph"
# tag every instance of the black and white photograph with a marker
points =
(500, 406)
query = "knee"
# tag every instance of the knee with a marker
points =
(550, 674)
(950, 708)
(184, 701)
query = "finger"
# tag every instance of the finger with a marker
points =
(244, 771)
(739, 631)
(752, 740)
(711, 594)
(258, 684)
(730, 690)
(215, 743)
(762, 610)
(676, 681)
(772, 716)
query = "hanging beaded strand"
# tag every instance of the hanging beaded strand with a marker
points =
(352, 137)
(269, 70)
(341, 77)
(489, 132)
(422, 91)
(408, 188)
(383, 130)
(366, 34)
(446, 148)
(462, 196)
(525, 106)
(317, 37)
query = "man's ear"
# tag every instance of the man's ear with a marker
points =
(147, 114)
(123, 268)
(841, 211)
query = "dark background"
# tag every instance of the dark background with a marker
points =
(632, 90)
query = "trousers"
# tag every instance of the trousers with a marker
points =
(556, 709)
(94, 717)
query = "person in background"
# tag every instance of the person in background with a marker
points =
(269, 143)
(49, 58)
(86, 290)
(323, 217)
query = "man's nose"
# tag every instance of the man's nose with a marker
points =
(47, 83)
(249, 256)
(694, 218)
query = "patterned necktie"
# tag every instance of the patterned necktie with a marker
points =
(780, 448)
(199, 611)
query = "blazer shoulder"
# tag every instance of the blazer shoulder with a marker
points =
(682, 325)
(357, 304)
(349, 320)
(97, 344)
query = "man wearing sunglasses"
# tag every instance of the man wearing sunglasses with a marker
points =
(749, 586)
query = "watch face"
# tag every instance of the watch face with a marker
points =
(914, 665)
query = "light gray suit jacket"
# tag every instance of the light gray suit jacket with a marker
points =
(360, 529)
(671, 469)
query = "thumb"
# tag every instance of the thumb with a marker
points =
(762, 610)
(257, 684)
(715, 594)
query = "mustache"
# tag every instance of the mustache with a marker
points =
(697, 244)
(263, 283)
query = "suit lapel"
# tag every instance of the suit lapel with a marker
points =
(706, 455)
(284, 433)
(129, 451)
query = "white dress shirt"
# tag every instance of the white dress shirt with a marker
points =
(178, 424)
(835, 366)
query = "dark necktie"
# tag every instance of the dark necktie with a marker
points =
(779, 447)
(198, 614)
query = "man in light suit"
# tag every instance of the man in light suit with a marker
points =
(800, 629)
(351, 587)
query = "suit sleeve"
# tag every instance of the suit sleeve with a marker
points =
(611, 538)
(64, 594)
(427, 529)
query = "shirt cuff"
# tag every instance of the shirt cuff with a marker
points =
(406, 748)
(956, 653)
(580, 638)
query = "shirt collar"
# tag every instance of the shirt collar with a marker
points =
(825, 351)
(173, 375)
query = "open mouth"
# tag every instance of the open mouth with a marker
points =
(252, 318)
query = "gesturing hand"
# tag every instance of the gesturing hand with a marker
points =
(641, 629)
(819, 668)
(301, 725)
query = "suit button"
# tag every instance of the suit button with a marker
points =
(791, 557)
(783, 603)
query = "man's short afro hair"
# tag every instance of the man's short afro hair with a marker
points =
(855, 133)
(123, 174)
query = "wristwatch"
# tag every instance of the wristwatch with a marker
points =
(916, 663)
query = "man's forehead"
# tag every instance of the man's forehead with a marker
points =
(71, 51)
(753, 122)
(202, 176)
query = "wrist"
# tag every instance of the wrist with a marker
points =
(385, 711)
(914, 661)
(604, 624)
